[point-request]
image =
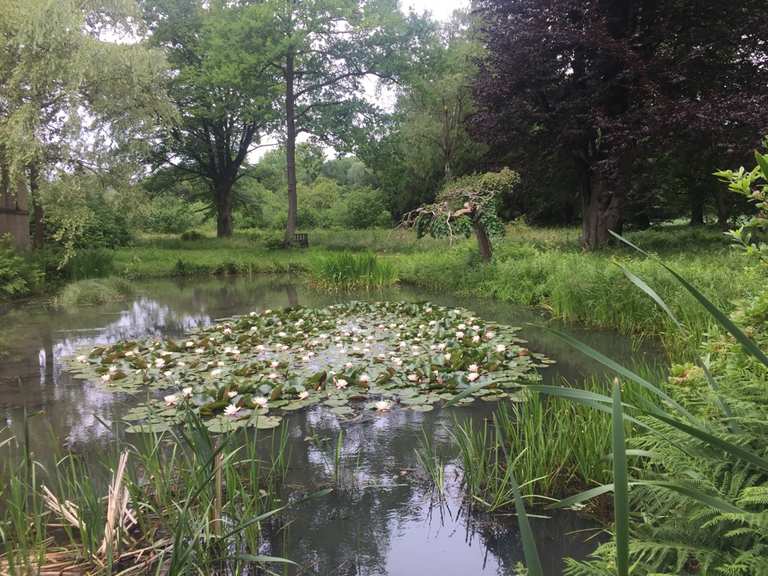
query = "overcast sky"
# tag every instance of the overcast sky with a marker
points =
(440, 9)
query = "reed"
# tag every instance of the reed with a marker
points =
(350, 271)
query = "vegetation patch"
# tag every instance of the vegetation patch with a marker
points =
(250, 370)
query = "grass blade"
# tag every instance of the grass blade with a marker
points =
(531, 552)
(620, 485)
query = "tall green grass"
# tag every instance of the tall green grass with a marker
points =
(351, 271)
(195, 504)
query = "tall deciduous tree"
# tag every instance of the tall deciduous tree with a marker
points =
(327, 49)
(592, 85)
(70, 93)
(223, 86)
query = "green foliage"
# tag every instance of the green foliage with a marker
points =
(93, 292)
(170, 215)
(347, 271)
(18, 276)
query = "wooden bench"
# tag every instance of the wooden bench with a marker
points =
(302, 240)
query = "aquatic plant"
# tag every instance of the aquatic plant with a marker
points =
(350, 271)
(172, 503)
(93, 292)
(250, 370)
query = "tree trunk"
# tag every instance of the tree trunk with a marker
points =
(38, 222)
(483, 241)
(697, 209)
(602, 211)
(224, 209)
(724, 205)
(290, 150)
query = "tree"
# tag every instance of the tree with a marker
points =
(467, 205)
(68, 98)
(327, 50)
(223, 87)
(593, 86)
(425, 144)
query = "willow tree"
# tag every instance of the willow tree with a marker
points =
(69, 96)
(223, 86)
(468, 205)
(326, 50)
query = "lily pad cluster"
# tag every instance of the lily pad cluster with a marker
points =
(251, 370)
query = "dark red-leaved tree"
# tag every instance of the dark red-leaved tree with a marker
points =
(592, 88)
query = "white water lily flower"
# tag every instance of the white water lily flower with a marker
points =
(428, 310)
(105, 378)
(397, 361)
(459, 335)
(364, 379)
(462, 326)
(472, 376)
(260, 401)
(199, 350)
(261, 348)
(489, 335)
(403, 344)
(283, 348)
(189, 344)
(274, 364)
(473, 368)
(268, 311)
(181, 364)
(355, 348)
(167, 373)
(171, 399)
(281, 334)
(215, 372)
(112, 369)
(187, 392)
(231, 393)
(442, 346)
(447, 355)
(231, 409)
(130, 353)
(306, 358)
(253, 314)
(476, 338)
(300, 321)
(432, 322)
(383, 405)
(303, 395)
(227, 331)
(341, 383)
(355, 339)
(273, 376)
(413, 378)
(501, 348)
(220, 364)
(84, 358)
(159, 362)
(348, 365)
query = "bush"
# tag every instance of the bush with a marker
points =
(18, 276)
(192, 235)
(349, 271)
(171, 215)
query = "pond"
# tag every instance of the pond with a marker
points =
(382, 519)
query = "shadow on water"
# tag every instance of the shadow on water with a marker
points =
(383, 519)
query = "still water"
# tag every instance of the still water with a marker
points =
(383, 519)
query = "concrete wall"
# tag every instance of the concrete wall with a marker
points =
(14, 214)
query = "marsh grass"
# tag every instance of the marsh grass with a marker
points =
(352, 271)
(93, 292)
(551, 446)
(176, 503)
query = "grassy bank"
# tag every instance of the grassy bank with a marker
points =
(532, 266)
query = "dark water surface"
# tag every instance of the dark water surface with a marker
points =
(383, 519)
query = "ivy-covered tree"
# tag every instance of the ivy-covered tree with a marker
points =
(465, 206)
(592, 86)
(223, 86)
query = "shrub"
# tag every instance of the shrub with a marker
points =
(171, 215)
(18, 276)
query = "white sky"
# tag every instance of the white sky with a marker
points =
(440, 9)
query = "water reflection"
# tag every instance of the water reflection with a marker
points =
(382, 519)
